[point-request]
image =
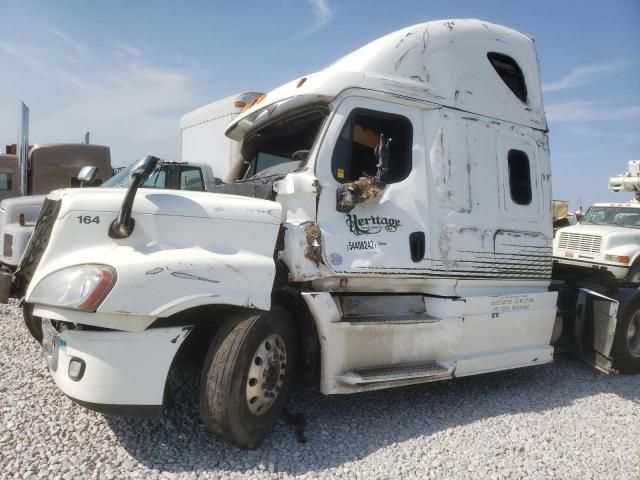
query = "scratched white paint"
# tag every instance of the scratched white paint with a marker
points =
(443, 62)
(481, 247)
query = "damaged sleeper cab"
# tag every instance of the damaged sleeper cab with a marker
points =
(386, 224)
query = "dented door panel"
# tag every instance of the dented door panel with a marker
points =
(374, 237)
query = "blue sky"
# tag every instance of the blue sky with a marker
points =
(127, 71)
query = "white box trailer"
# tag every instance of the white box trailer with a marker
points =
(202, 138)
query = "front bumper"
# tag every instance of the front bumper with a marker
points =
(619, 272)
(121, 373)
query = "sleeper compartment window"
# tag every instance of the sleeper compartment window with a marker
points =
(519, 177)
(510, 73)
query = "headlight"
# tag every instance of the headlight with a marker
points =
(83, 287)
(617, 258)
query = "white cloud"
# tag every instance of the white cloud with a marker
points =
(584, 75)
(322, 12)
(42, 62)
(589, 112)
(127, 102)
(80, 50)
(599, 133)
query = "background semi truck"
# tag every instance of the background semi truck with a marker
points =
(50, 167)
(388, 223)
(28, 172)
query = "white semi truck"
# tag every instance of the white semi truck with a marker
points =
(389, 222)
(607, 239)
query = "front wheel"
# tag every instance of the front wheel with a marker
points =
(247, 375)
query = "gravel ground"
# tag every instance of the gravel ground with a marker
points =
(562, 421)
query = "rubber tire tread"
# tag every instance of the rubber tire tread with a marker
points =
(33, 323)
(629, 303)
(634, 270)
(219, 376)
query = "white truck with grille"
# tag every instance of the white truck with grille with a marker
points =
(387, 222)
(606, 241)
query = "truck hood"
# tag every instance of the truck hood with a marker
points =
(170, 202)
(591, 229)
(187, 249)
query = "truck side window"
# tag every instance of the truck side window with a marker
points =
(519, 177)
(156, 180)
(191, 179)
(5, 181)
(354, 155)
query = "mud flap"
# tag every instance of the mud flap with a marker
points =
(596, 317)
(5, 286)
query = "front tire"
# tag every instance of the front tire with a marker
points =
(33, 323)
(247, 375)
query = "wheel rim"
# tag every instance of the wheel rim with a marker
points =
(633, 335)
(266, 374)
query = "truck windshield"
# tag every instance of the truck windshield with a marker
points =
(281, 147)
(122, 179)
(615, 216)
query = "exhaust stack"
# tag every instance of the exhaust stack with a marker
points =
(23, 147)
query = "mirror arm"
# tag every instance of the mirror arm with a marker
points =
(122, 226)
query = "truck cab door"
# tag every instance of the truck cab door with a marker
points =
(386, 231)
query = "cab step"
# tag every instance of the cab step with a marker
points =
(397, 373)
(391, 318)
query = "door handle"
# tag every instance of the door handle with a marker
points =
(417, 246)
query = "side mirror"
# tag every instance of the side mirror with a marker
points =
(345, 200)
(87, 175)
(144, 168)
(300, 155)
(123, 225)
(363, 190)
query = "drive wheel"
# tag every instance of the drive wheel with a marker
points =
(634, 274)
(247, 375)
(33, 323)
(626, 341)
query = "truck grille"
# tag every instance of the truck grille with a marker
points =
(580, 242)
(36, 246)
